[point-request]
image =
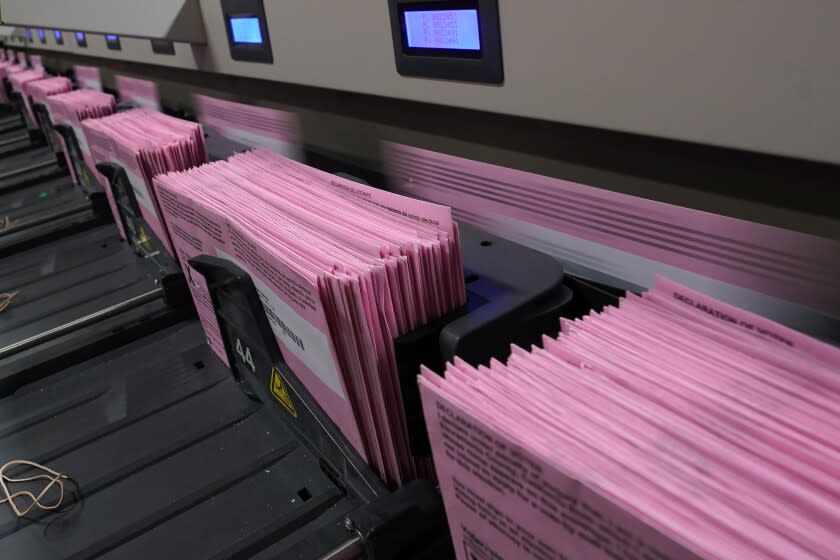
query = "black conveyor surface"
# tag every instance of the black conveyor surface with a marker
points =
(15, 141)
(34, 198)
(27, 204)
(14, 127)
(10, 122)
(173, 459)
(28, 167)
(69, 278)
(51, 209)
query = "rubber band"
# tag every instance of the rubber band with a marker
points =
(7, 497)
(6, 299)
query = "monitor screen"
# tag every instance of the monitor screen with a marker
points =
(80, 35)
(246, 30)
(442, 29)
(112, 38)
(29, 34)
(58, 35)
(42, 35)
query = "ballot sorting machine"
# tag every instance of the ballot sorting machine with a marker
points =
(179, 451)
(100, 358)
(268, 438)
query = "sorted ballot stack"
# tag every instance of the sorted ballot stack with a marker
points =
(71, 109)
(342, 269)
(6, 70)
(671, 427)
(145, 143)
(39, 90)
(19, 80)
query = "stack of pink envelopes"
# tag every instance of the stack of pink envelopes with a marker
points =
(19, 81)
(81, 104)
(342, 270)
(673, 426)
(71, 109)
(7, 68)
(39, 90)
(146, 143)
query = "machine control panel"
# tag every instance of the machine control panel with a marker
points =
(247, 31)
(448, 39)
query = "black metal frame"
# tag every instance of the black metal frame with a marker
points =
(140, 235)
(80, 168)
(94, 193)
(407, 524)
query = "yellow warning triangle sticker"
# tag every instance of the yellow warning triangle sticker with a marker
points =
(144, 239)
(278, 389)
